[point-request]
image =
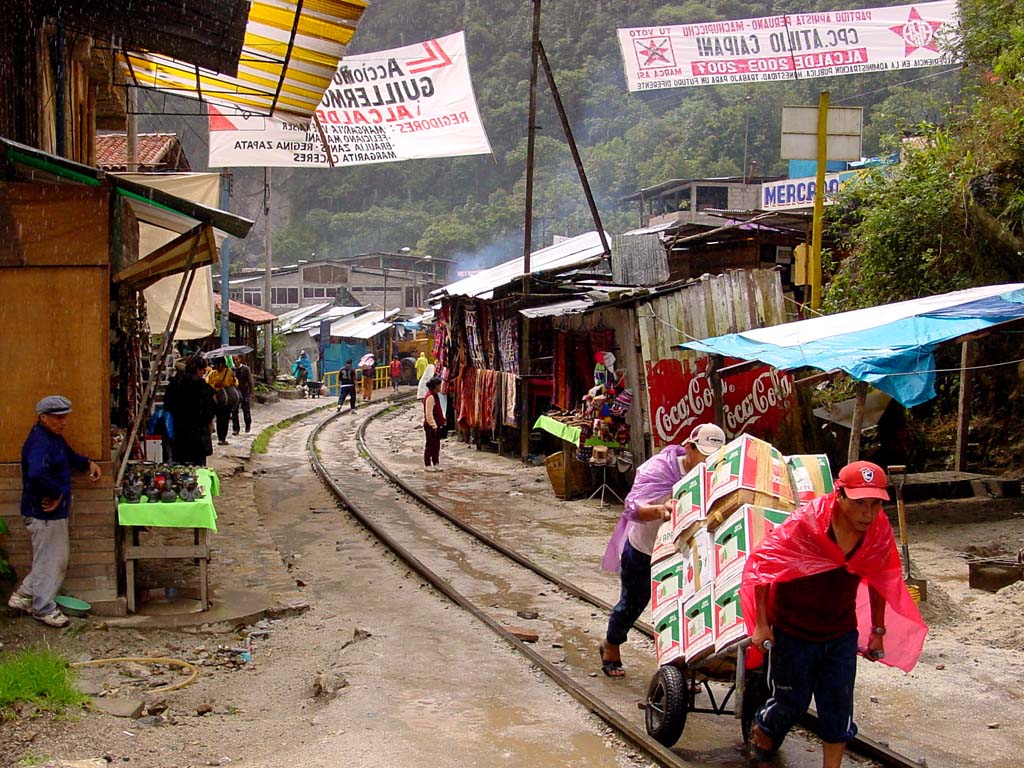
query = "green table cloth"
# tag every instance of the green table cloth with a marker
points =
(176, 514)
(558, 429)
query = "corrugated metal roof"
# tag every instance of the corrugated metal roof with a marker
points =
(312, 322)
(564, 255)
(288, 321)
(571, 307)
(365, 326)
(290, 53)
(247, 312)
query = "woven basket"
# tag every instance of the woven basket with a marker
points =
(555, 465)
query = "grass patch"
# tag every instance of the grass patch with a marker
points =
(262, 441)
(39, 677)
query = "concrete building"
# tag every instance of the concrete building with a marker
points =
(687, 201)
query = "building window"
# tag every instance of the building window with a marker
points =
(235, 295)
(716, 198)
(332, 292)
(252, 296)
(307, 293)
(319, 293)
(284, 296)
(410, 297)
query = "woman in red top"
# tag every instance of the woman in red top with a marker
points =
(433, 422)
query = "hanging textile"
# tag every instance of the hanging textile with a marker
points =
(511, 385)
(488, 395)
(474, 345)
(560, 370)
(465, 404)
(507, 329)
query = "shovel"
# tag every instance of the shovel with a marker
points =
(918, 588)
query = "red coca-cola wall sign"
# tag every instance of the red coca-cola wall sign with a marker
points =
(755, 401)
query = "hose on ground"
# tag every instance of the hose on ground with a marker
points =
(147, 660)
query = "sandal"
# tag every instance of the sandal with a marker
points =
(610, 668)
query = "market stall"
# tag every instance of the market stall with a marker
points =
(157, 497)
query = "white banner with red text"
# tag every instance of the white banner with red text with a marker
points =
(680, 395)
(788, 47)
(401, 104)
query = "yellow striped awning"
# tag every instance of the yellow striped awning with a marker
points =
(291, 51)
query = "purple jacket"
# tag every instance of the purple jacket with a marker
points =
(653, 482)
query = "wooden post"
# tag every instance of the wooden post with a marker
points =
(268, 340)
(715, 378)
(963, 415)
(531, 142)
(857, 422)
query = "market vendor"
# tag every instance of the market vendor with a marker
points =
(189, 400)
(825, 586)
(629, 550)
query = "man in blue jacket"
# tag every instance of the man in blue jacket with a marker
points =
(46, 464)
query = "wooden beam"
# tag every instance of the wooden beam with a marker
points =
(818, 378)
(857, 422)
(963, 416)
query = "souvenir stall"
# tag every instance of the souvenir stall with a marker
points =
(476, 348)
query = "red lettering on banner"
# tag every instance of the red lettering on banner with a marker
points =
(680, 396)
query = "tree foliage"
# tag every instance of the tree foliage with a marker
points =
(457, 207)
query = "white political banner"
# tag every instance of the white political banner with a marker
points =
(788, 47)
(402, 104)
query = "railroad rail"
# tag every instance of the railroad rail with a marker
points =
(631, 731)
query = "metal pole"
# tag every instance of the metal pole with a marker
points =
(225, 261)
(268, 353)
(572, 147)
(814, 267)
(857, 421)
(531, 142)
(385, 315)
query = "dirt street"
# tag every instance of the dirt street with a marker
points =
(382, 671)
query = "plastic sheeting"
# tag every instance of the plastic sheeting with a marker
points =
(892, 347)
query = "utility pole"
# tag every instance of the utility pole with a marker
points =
(268, 341)
(225, 260)
(531, 142)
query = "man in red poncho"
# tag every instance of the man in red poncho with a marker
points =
(826, 586)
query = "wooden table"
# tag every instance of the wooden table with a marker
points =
(199, 515)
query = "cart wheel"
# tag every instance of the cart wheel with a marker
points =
(666, 708)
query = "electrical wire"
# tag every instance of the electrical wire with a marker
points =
(895, 85)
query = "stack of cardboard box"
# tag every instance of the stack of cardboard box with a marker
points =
(723, 509)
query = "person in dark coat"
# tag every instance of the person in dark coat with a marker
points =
(189, 400)
(245, 387)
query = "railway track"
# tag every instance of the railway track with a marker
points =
(456, 567)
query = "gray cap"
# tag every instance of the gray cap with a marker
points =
(53, 404)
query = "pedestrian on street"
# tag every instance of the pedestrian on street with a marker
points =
(245, 388)
(347, 386)
(421, 365)
(46, 464)
(825, 586)
(367, 372)
(225, 395)
(189, 400)
(433, 425)
(395, 369)
(647, 506)
(302, 368)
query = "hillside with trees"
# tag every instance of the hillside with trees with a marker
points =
(471, 208)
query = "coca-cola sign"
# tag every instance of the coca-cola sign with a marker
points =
(681, 397)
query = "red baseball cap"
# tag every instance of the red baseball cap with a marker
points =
(863, 480)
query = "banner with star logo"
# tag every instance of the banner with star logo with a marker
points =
(789, 47)
(401, 104)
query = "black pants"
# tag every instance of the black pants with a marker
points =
(223, 414)
(432, 449)
(349, 391)
(246, 405)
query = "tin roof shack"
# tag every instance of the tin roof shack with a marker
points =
(69, 263)
(671, 392)
(690, 201)
(244, 323)
(477, 338)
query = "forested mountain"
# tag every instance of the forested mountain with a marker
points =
(471, 208)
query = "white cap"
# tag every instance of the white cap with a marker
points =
(708, 438)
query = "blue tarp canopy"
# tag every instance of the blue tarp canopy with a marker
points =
(892, 347)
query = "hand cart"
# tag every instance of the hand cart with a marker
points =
(674, 688)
